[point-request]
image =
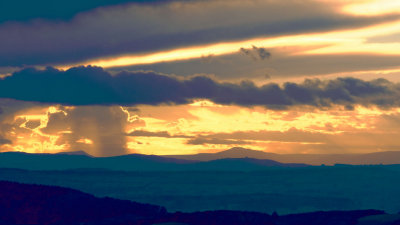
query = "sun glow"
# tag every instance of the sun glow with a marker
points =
(374, 7)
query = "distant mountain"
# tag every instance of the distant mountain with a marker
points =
(232, 159)
(231, 153)
(77, 161)
(75, 153)
(245, 164)
(50, 205)
(133, 162)
(391, 157)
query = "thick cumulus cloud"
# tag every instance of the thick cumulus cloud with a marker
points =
(99, 130)
(137, 28)
(94, 86)
(103, 126)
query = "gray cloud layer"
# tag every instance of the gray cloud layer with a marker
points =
(279, 65)
(94, 86)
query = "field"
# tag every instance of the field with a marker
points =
(284, 190)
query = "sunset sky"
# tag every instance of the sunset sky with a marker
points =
(114, 77)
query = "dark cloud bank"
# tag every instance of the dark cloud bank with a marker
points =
(95, 86)
(25, 10)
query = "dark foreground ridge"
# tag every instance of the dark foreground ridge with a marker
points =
(39, 204)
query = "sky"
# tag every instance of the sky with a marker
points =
(171, 77)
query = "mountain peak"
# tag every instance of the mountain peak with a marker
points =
(244, 151)
(237, 149)
(80, 152)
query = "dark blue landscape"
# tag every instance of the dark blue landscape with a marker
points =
(38, 204)
(189, 189)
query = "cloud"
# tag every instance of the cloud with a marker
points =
(215, 141)
(102, 125)
(32, 124)
(296, 141)
(94, 86)
(111, 31)
(164, 134)
(256, 53)
(57, 122)
(4, 141)
(10, 107)
(285, 63)
(291, 135)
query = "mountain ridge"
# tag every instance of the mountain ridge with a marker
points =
(374, 158)
(132, 162)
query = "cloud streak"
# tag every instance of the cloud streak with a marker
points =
(215, 141)
(162, 134)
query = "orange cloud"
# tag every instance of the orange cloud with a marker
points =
(217, 127)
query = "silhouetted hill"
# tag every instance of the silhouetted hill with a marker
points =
(245, 164)
(153, 158)
(391, 157)
(39, 204)
(133, 162)
(49, 205)
(236, 152)
(250, 159)
(328, 218)
(76, 161)
(75, 153)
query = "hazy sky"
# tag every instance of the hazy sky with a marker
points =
(183, 77)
